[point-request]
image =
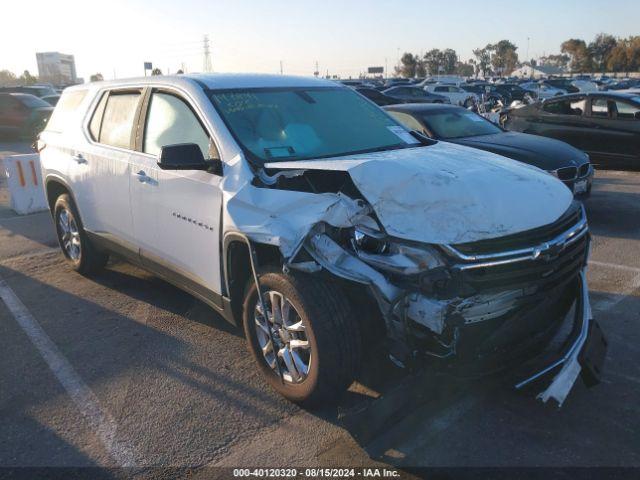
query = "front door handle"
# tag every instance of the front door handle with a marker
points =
(79, 159)
(142, 176)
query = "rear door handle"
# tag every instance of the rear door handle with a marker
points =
(79, 159)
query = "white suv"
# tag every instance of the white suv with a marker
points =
(455, 94)
(358, 232)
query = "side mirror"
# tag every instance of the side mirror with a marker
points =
(637, 115)
(187, 156)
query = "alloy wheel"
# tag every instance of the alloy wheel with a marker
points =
(69, 234)
(292, 350)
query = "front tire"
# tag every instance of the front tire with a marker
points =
(317, 340)
(76, 246)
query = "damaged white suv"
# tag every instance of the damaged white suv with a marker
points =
(355, 229)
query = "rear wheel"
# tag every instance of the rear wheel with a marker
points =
(307, 343)
(73, 240)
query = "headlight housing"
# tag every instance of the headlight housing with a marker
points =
(387, 254)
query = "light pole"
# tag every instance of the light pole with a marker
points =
(528, 59)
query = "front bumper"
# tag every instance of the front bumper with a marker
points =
(582, 352)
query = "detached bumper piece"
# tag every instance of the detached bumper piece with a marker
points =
(583, 353)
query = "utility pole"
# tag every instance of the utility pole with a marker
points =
(317, 71)
(280, 67)
(206, 62)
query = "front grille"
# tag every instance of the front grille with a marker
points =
(584, 169)
(535, 276)
(535, 261)
(525, 239)
(567, 173)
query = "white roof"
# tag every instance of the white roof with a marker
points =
(223, 80)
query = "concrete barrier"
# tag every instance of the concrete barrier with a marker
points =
(25, 183)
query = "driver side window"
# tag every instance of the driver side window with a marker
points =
(170, 121)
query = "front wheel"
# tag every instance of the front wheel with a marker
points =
(73, 240)
(307, 343)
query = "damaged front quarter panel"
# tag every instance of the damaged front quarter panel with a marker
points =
(320, 221)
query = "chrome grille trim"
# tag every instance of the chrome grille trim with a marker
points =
(560, 242)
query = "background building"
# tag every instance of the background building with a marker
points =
(538, 71)
(56, 68)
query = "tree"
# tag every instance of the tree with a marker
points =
(465, 69)
(633, 54)
(483, 60)
(156, 71)
(449, 61)
(625, 56)
(440, 61)
(600, 49)
(580, 59)
(617, 60)
(7, 78)
(504, 58)
(408, 64)
(560, 61)
(431, 61)
(96, 77)
(27, 79)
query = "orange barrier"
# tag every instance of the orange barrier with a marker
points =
(27, 194)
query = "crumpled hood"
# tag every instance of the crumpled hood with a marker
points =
(447, 194)
(541, 152)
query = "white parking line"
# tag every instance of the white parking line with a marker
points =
(100, 421)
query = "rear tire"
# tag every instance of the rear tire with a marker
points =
(78, 250)
(325, 322)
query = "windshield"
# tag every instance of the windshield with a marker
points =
(302, 123)
(458, 124)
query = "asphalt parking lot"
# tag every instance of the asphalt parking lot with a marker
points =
(146, 376)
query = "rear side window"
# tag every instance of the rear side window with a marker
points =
(118, 118)
(66, 107)
(600, 108)
(626, 111)
(565, 107)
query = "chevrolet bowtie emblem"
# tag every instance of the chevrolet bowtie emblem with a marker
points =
(547, 251)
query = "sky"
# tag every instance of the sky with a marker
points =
(344, 37)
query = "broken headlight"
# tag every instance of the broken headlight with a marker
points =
(378, 250)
